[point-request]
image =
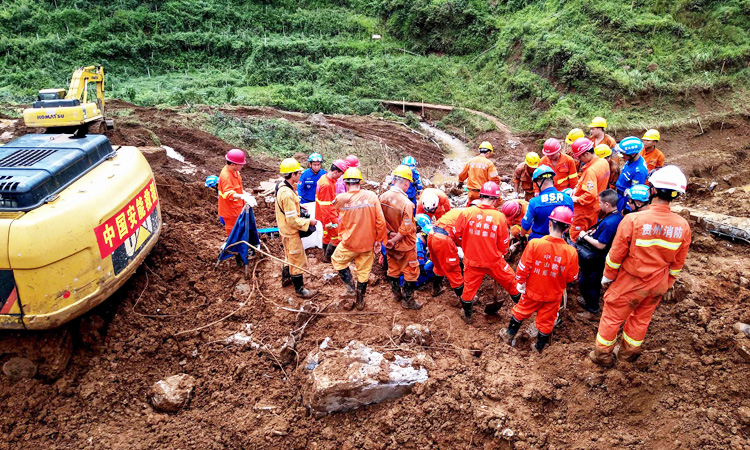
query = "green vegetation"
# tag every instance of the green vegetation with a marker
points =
(539, 65)
(466, 124)
(276, 137)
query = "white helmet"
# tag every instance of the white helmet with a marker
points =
(430, 202)
(669, 177)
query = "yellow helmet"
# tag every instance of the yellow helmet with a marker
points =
(532, 160)
(598, 122)
(602, 150)
(486, 146)
(352, 173)
(652, 135)
(403, 172)
(289, 165)
(574, 134)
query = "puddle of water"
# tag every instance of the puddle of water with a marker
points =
(458, 154)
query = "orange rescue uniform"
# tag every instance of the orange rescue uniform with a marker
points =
(443, 250)
(594, 179)
(361, 225)
(548, 264)
(325, 193)
(230, 183)
(398, 211)
(609, 140)
(515, 223)
(522, 176)
(444, 204)
(566, 172)
(290, 224)
(478, 171)
(647, 253)
(653, 159)
(484, 239)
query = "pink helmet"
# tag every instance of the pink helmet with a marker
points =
(352, 160)
(581, 146)
(236, 156)
(511, 208)
(341, 164)
(551, 146)
(490, 189)
(562, 214)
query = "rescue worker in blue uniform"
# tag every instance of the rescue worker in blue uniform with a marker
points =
(540, 207)
(308, 181)
(634, 172)
(415, 188)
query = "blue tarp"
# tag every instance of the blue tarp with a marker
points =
(244, 230)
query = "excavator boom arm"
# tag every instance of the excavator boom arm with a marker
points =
(80, 80)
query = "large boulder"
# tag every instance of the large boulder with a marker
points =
(356, 375)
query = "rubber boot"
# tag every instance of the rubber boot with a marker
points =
(396, 289)
(516, 298)
(492, 308)
(456, 303)
(346, 277)
(300, 289)
(541, 341)
(330, 248)
(513, 327)
(409, 302)
(286, 279)
(602, 358)
(467, 306)
(627, 352)
(240, 262)
(361, 289)
(437, 286)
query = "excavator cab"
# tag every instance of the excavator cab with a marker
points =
(51, 94)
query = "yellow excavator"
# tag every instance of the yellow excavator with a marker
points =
(79, 111)
(77, 217)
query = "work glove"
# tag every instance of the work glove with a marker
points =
(249, 199)
(606, 281)
(521, 287)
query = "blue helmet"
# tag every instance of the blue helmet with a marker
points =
(568, 191)
(639, 193)
(315, 157)
(212, 181)
(631, 145)
(424, 222)
(409, 161)
(543, 171)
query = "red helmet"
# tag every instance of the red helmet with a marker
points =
(551, 146)
(511, 208)
(490, 189)
(236, 156)
(562, 214)
(352, 160)
(581, 146)
(341, 164)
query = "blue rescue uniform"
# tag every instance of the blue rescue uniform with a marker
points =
(633, 173)
(308, 183)
(540, 207)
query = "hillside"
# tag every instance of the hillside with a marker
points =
(537, 64)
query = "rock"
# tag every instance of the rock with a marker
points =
(319, 119)
(17, 368)
(173, 393)
(243, 339)
(744, 414)
(594, 380)
(743, 349)
(397, 331)
(742, 328)
(243, 289)
(419, 334)
(356, 375)
(704, 316)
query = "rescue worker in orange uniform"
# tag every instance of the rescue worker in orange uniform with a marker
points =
(443, 243)
(594, 179)
(604, 152)
(434, 203)
(401, 247)
(653, 157)
(566, 172)
(547, 265)
(648, 252)
(478, 171)
(231, 196)
(324, 210)
(514, 211)
(522, 176)
(361, 225)
(574, 134)
(484, 239)
(598, 136)
(290, 223)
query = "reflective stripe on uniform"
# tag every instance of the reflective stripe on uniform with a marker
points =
(612, 264)
(324, 203)
(657, 242)
(563, 180)
(291, 213)
(226, 194)
(605, 342)
(674, 272)
(631, 341)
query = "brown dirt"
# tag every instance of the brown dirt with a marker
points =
(683, 393)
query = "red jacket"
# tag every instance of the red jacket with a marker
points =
(594, 179)
(650, 243)
(566, 173)
(484, 235)
(548, 264)
(324, 197)
(444, 205)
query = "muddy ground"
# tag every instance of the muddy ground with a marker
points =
(689, 390)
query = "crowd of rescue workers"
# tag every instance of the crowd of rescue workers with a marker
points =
(582, 218)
